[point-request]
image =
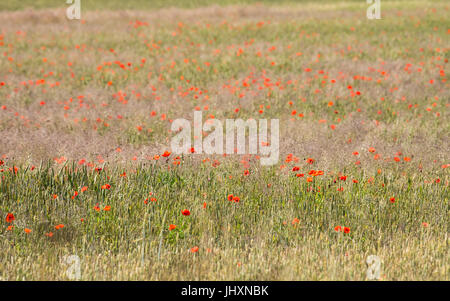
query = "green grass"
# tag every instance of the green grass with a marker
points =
(131, 225)
(133, 4)
(157, 4)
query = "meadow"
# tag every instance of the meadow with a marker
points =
(86, 167)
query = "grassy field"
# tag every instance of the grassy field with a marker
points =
(86, 108)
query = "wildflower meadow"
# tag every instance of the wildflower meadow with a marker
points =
(119, 159)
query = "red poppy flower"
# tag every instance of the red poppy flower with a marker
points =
(310, 160)
(186, 212)
(166, 154)
(346, 230)
(10, 218)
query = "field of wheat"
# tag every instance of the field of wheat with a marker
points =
(90, 188)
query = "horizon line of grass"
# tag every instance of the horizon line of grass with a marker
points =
(15, 5)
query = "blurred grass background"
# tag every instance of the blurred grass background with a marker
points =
(155, 4)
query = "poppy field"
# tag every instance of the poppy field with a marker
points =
(90, 188)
